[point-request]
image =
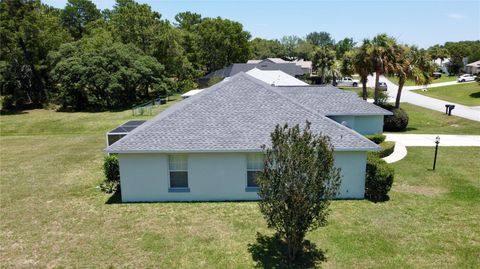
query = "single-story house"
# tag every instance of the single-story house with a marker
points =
(473, 68)
(208, 147)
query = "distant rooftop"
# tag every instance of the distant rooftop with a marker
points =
(275, 77)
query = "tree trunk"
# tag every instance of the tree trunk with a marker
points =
(364, 88)
(377, 78)
(401, 82)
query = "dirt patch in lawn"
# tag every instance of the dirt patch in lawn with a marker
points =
(422, 190)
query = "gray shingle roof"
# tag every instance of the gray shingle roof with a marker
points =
(234, 115)
(331, 101)
(290, 68)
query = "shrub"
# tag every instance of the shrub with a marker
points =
(111, 169)
(109, 186)
(376, 138)
(378, 180)
(396, 122)
(387, 149)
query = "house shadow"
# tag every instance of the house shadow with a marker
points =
(475, 95)
(271, 252)
(116, 198)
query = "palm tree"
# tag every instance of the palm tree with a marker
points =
(363, 65)
(323, 61)
(411, 63)
(381, 51)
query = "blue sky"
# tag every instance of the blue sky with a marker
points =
(423, 23)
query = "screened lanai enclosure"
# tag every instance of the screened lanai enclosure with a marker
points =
(122, 130)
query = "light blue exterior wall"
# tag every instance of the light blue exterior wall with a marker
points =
(362, 124)
(216, 177)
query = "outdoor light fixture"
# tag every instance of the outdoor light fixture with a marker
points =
(437, 141)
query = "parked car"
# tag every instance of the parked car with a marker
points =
(466, 77)
(437, 75)
(382, 86)
(348, 81)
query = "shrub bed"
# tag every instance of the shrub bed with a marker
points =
(376, 138)
(378, 180)
(397, 122)
(387, 149)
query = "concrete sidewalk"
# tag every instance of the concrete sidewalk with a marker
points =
(427, 140)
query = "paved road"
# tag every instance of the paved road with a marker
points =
(472, 113)
(427, 140)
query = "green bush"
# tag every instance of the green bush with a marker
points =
(396, 122)
(111, 169)
(378, 180)
(109, 186)
(376, 138)
(387, 149)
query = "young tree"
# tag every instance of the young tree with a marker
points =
(297, 184)
(323, 60)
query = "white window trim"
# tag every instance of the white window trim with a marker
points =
(249, 188)
(177, 189)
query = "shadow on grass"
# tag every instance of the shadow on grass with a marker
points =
(475, 95)
(116, 198)
(382, 199)
(271, 252)
(12, 112)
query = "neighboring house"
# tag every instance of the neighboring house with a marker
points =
(276, 77)
(305, 65)
(473, 68)
(290, 68)
(208, 147)
(443, 64)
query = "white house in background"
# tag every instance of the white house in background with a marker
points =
(473, 68)
(276, 77)
(208, 147)
(190, 93)
(442, 64)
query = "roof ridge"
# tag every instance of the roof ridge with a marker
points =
(270, 88)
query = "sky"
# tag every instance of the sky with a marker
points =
(423, 23)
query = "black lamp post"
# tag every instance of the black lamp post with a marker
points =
(437, 141)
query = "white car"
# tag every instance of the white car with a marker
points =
(466, 77)
(348, 81)
(382, 86)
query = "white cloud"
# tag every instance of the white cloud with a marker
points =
(456, 16)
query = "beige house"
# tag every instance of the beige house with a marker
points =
(473, 68)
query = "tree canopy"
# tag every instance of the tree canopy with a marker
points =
(297, 183)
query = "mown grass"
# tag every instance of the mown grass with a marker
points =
(358, 90)
(426, 121)
(53, 216)
(463, 93)
(409, 82)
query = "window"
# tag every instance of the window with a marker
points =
(254, 168)
(178, 169)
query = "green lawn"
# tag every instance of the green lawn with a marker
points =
(426, 121)
(53, 216)
(463, 93)
(443, 78)
(358, 90)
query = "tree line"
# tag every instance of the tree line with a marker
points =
(83, 58)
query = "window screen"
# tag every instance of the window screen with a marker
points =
(254, 168)
(178, 168)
